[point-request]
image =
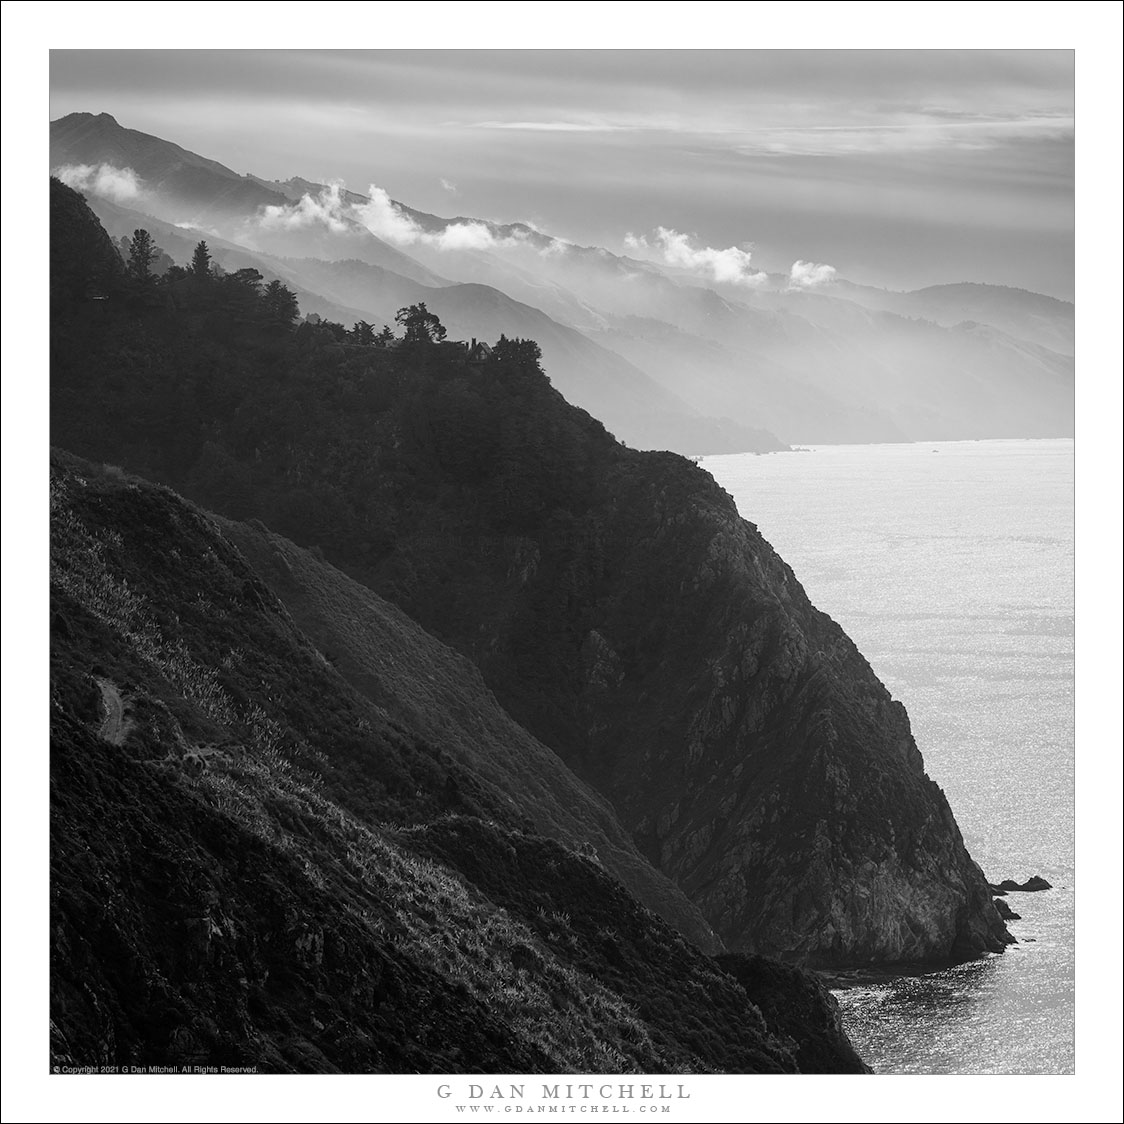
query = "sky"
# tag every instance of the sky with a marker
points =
(900, 168)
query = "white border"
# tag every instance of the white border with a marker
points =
(1093, 29)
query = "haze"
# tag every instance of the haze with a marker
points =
(897, 168)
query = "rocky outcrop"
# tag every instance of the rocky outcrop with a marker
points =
(798, 1007)
(753, 751)
(1005, 911)
(1034, 884)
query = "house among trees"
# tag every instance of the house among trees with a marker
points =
(477, 352)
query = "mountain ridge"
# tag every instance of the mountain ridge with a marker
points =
(827, 378)
(615, 602)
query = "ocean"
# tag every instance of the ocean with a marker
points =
(950, 564)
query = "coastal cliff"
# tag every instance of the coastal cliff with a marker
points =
(780, 783)
(614, 601)
(673, 660)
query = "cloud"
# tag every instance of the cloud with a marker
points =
(327, 208)
(930, 130)
(382, 217)
(118, 184)
(449, 186)
(730, 266)
(379, 214)
(553, 126)
(466, 236)
(810, 275)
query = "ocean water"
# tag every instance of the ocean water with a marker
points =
(950, 565)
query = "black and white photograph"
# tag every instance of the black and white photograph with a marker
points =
(563, 564)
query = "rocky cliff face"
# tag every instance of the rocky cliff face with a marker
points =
(741, 736)
(615, 602)
(783, 787)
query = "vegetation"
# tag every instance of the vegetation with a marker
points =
(201, 261)
(270, 870)
(142, 251)
(420, 325)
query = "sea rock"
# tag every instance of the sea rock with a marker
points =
(1032, 885)
(1005, 911)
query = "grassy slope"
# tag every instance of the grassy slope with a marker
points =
(272, 870)
(431, 689)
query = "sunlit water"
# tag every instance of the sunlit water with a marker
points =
(951, 567)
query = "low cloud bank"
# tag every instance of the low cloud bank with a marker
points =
(810, 275)
(729, 266)
(119, 184)
(379, 214)
(327, 208)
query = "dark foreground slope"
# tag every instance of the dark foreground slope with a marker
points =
(252, 864)
(492, 764)
(615, 601)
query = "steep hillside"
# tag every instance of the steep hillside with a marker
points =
(192, 187)
(254, 864)
(440, 695)
(614, 600)
(182, 187)
(640, 411)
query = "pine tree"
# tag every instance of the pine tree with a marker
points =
(201, 261)
(142, 252)
(281, 304)
(363, 333)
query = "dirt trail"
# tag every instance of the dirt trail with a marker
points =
(115, 725)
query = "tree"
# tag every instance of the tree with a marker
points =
(519, 353)
(363, 333)
(385, 338)
(247, 278)
(281, 304)
(142, 252)
(421, 325)
(201, 261)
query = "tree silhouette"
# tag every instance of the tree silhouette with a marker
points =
(520, 353)
(281, 304)
(421, 325)
(142, 252)
(364, 333)
(247, 278)
(201, 261)
(385, 338)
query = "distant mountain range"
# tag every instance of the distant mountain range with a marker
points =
(663, 359)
